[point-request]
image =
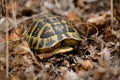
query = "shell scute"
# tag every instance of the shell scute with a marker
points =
(47, 32)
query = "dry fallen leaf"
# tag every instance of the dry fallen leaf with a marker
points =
(66, 63)
(83, 66)
(92, 25)
(87, 29)
(44, 55)
(16, 33)
(19, 49)
(87, 65)
(82, 29)
(96, 23)
(109, 36)
(14, 77)
(73, 17)
(99, 74)
(97, 20)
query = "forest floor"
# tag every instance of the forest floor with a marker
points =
(97, 56)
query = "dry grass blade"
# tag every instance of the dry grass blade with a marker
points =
(7, 48)
(14, 6)
(7, 35)
(112, 12)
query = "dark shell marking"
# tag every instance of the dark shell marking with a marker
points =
(48, 31)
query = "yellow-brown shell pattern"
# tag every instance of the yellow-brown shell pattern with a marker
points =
(49, 31)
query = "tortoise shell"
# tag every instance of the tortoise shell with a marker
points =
(48, 32)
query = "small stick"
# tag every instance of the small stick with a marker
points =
(7, 43)
(112, 16)
(14, 6)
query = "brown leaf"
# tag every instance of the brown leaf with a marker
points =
(73, 17)
(99, 74)
(16, 33)
(15, 77)
(44, 55)
(87, 65)
(82, 29)
(93, 25)
(78, 67)
(109, 36)
(87, 29)
(97, 20)
(66, 63)
(21, 48)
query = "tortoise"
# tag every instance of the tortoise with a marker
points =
(52, 33)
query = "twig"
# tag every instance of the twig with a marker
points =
(7, 43)
(111, 12)
(14, 13)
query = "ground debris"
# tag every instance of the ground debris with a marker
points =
(97, 57)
